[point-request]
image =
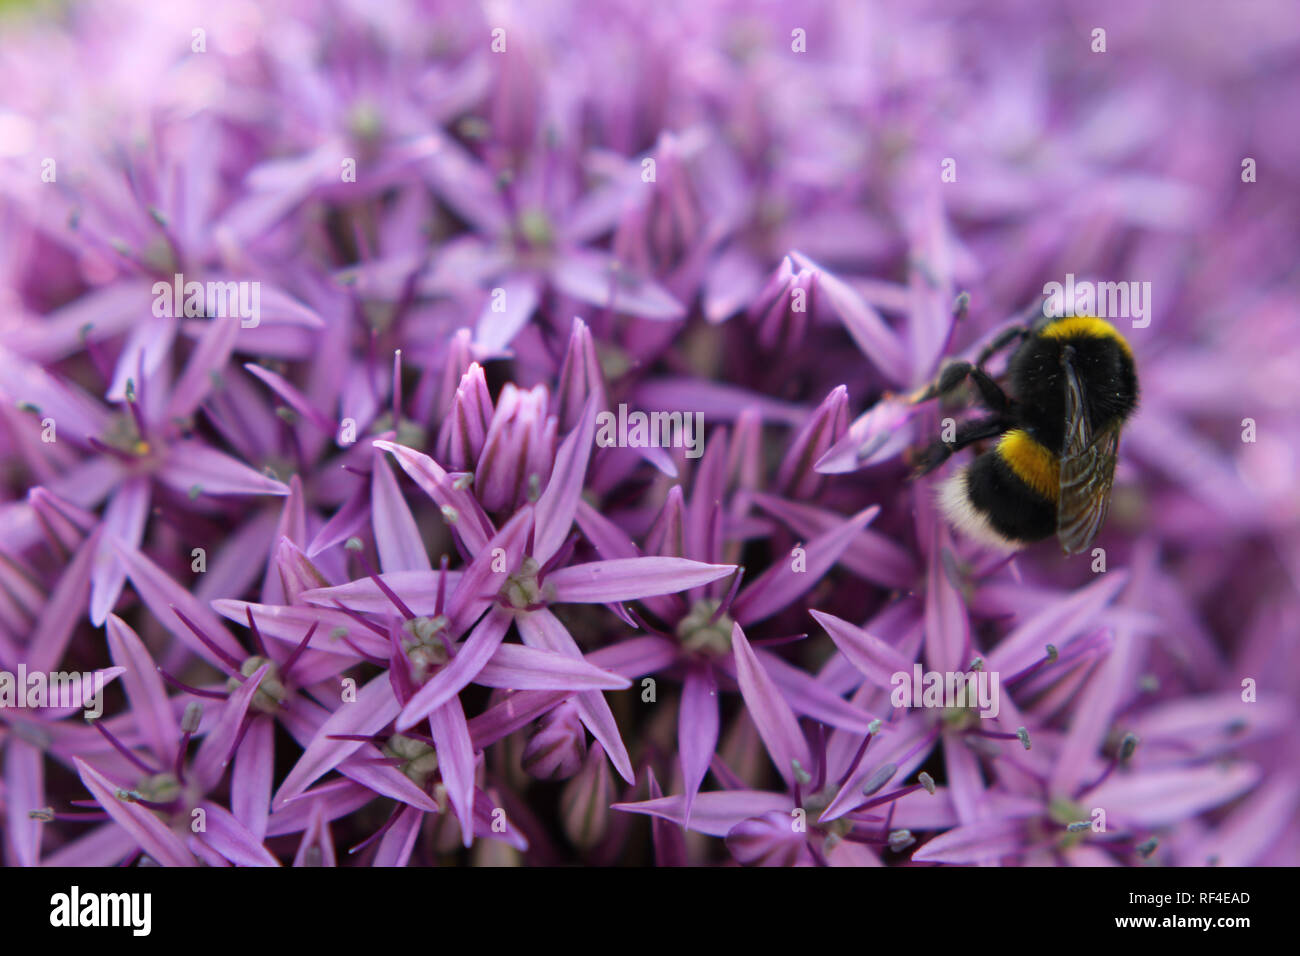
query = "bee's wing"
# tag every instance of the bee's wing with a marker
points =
(1087, 471)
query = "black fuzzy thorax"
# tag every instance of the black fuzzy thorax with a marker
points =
(1038, 384)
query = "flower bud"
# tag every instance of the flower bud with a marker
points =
(558, 745)
(773, 839)
(464, 430)
(584, 805)
(520, 443)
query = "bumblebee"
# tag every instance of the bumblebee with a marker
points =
(1072, 384)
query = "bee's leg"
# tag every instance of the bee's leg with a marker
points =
(990, 391)
(1011, 335)
(950, 377)
(955, 373)
(938, 452)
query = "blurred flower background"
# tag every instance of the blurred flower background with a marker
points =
(365, 588)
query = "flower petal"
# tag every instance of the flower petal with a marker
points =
(772, 716)
(1153, 798)
(124, 521)
(397, 843)
(518, 667)
(986, 841)
(877, 660)
(396, 536)
(230, 838)
(626, 579)
(598, 279)
(192, 464)
(455, 762)
(251, 778)
(150, 706)
(556, 506)
(713, 813)
(697, 731)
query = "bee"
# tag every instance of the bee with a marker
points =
(1072, 385)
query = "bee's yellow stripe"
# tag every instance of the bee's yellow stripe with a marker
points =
(1084, 326)
(1033, 463)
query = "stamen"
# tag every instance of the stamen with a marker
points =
(440, 598)
(257, 635)
(1126, 748)
(107, 449)
(123, 749)
(920, 745)
(816, 853)
(400, 677)
(397, 389)
(355, 545)
(239, 738)
(619, 608)
(730, 596)
(900, 840)
(1051, 656)
(878, 779)
(778, 641)
(210, 694)
(559, 558)
(47, 814)
(890, 797)
(369, 625)
(298, 651)
(1021, 734)
(873, 728)
(641, 623)
(207, 641)
(381, 831)
(190, 721)
(93, 349)
(141, 426)
(726, 776)
(134, 796)
(821, 758)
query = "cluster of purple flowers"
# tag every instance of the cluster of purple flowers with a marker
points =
(311, 316)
